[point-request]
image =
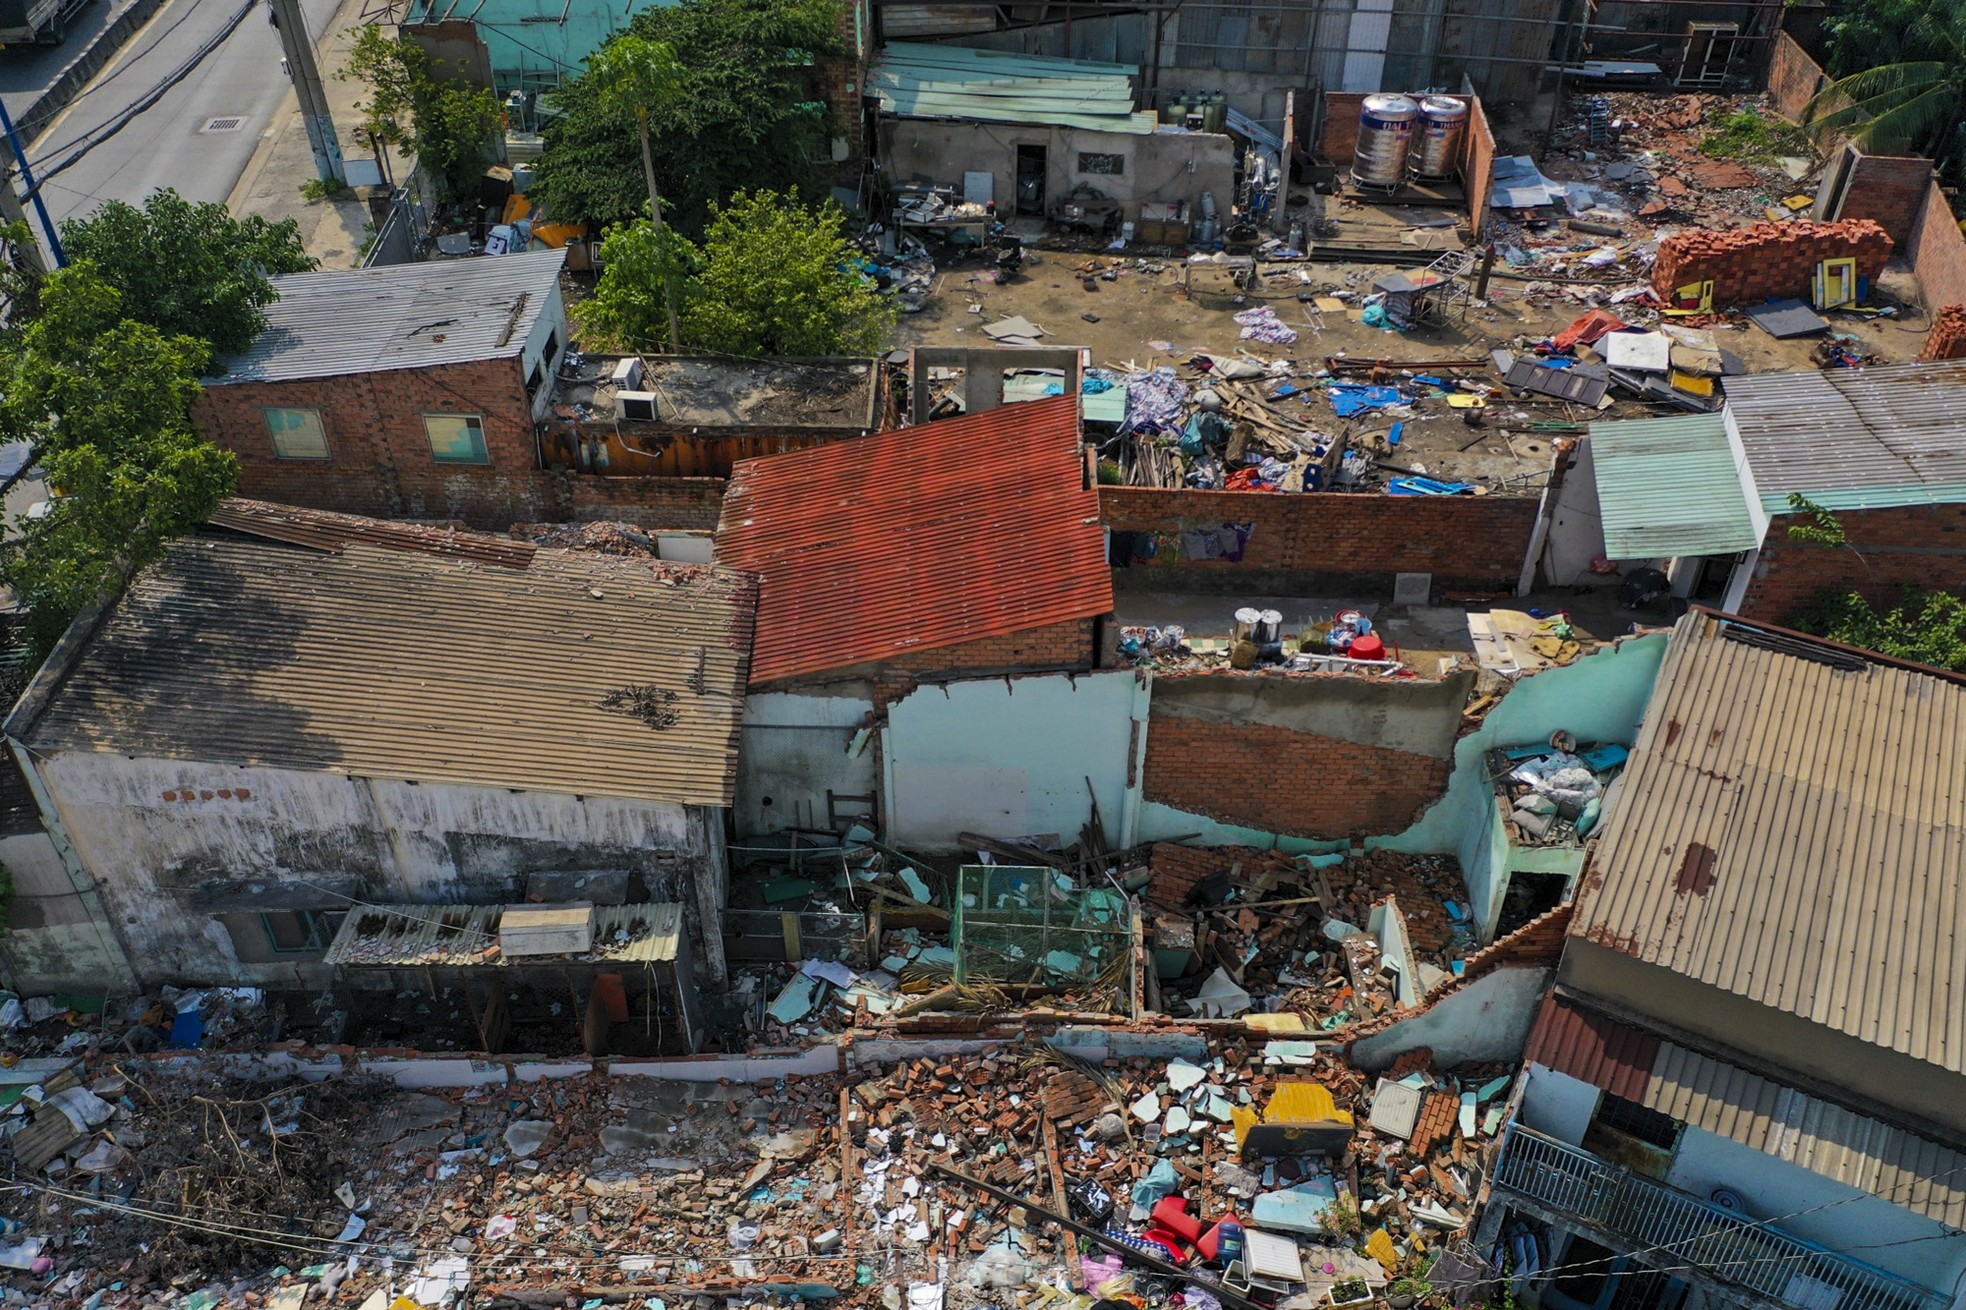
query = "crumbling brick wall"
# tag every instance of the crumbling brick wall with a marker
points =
(691, 504)
(1068, 646)
(1947, 339)
(1913, 545)
(1768, 260)
(1303, 543)
(1278, 780)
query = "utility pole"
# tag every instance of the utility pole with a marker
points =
(12, 151)
(306, 74)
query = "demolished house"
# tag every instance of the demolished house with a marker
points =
(296, 721)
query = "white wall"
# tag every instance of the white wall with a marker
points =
(1576, 525)
(286, 839)
(552, 325)
(1821, 1210)
(52, 943)
(1487, 1020)
(1557, 1105)
(794, 749)
(1009, 757)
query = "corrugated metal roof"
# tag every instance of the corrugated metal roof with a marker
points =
(1669, 486)
(362, 320)
(1854, 1149)
(326, 530)
(1855, 438)
(406, 936)
(1774, 799)
(1589, 1046)
(580, 674)
(995, 86)
(918, 538)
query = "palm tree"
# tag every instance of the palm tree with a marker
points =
(1916, 104)
(635, 74)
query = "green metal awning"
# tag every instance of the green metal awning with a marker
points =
(1670, 487)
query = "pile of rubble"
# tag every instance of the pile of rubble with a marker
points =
(863, 1189)
(1239, 930)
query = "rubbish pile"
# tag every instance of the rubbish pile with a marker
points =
(1555, 791)
(598, 538)
(1259, 642)
(1334, 939)
(1221, 1168)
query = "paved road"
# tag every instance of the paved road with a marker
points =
(166, 144)
(26, 71)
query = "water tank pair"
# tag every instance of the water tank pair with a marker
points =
(1398, 135)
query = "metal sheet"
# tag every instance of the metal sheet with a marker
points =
(1564, 383)
(445, 311)
(580, 674)
(902, 542)
(1774, 798)
(1787, 318)
(1669, 487)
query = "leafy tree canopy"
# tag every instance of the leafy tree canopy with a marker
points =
(771, 277)
(188, 269)
(1928, 627)
(1900, 69)
(746, 111)
(104, 402)
(449, 124)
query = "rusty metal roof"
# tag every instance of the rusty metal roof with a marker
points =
(1778, 1120)
(579, 674)
(1781, 792)
(326, 530)
(916, 539)
(1591, 1047)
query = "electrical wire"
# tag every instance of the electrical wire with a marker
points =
(131, 112)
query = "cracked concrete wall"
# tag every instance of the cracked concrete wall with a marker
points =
(172, 845)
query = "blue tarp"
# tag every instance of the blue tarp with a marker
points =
(1349, 400)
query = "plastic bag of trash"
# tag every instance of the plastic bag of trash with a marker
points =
(1000, 1267)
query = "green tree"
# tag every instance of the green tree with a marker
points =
(645, 268)
(746, 111)
(104, 403)
(189, 269)
(776, 278)
(450, 125)
(1927, 627)
(1901, 84)
(635, 75)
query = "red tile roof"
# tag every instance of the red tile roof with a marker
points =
(1593, 1048)
(916, 539)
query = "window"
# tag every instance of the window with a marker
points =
(1634, 1120)
(291, 932)
(1107, 165)
(297, 433)
(456, 438)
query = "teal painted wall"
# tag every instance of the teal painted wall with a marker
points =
(1601, 697)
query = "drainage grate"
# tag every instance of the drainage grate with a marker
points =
(224, 124)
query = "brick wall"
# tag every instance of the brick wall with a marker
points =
(677, 503)
(1947, 339)
(1918, 545)
(1793, 78)
(1278, 780)
(1328, 539)
(1751, 264)
(1058, 647)
(1890, 191)
(1339, 141)
(379, 459)
(1937, 251)
(1480, 169)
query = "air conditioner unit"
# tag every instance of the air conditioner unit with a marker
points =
(635, 406)
(628, 374)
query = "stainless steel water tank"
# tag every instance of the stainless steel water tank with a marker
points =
(1437, 144)
(1385, 133)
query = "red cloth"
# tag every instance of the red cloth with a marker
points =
(1588, 329)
